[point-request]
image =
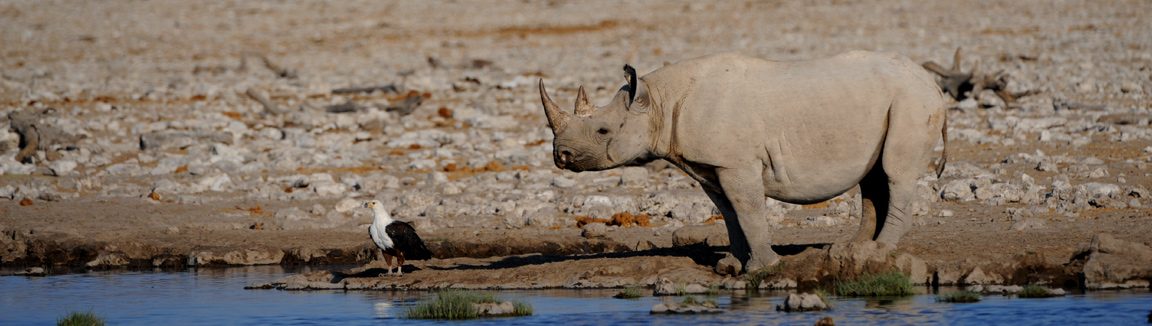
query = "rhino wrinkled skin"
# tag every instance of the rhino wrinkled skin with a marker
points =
(744, 128)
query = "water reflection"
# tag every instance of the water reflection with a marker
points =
(382, 308)
(216, 296)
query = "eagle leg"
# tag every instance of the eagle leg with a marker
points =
(400, 257)
(388, 259)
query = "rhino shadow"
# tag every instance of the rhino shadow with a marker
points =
(700, 254)
(369, 273)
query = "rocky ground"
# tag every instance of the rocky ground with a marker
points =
(204, 133)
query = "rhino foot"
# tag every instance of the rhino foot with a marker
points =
(759, 262)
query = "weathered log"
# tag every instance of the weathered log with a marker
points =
(261, 97)
(961, 85)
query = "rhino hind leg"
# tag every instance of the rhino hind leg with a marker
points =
(873, 205)
(897, 221)
(914, 126)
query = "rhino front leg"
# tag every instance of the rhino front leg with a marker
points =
(738, 247)
(742, 204)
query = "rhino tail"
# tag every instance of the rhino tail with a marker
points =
(944, 152)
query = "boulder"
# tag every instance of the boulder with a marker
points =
(729, 265)
(1114, 263)
(948, 275)
(173, 139)
(693, 234)
(695, 289)
(802, 302)
(684, 308)
(978, 276)
(235, 257)
(664, 287)
(914, 267)
(857, 258)
(109, 259)
(958, 190)
(347, 205)
(594, 230)
(32, 271)
(315, 280)
(492, 309)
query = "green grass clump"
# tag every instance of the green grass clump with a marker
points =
(1034, 291)
(521, 308)
(877, 285)
(689, 300)
(630, 292)
(76, 318)
(453, 304)
(959, 297)
(755, 278)
(713, 290)
(823, 297)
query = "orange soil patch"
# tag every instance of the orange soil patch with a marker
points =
(254, 209)
(713, 219)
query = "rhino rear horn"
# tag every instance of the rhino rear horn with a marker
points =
(583, 108)
(557, 118)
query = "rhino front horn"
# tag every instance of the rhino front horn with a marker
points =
(557, 118)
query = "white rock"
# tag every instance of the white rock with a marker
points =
(967, 104)
(562, 182)
(292, 214)
(347, 205)
(958, 190)
(62, 167)
(437, 177)
(327, 189)
(633, 176)
(7, 191)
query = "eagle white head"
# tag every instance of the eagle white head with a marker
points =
(372, 204)
(378, 211)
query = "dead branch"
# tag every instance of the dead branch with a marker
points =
(390, 88)
(436, 63)
(1058, 105)
(346, 107)
(961, 85)
(30, 140)
(276, 68)
(269, 106)
(406, 106)
(37, 133)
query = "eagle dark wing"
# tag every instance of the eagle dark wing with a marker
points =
(405, 240)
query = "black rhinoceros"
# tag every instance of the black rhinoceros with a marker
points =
(744, 128)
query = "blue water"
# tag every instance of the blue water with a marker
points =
(217, 297)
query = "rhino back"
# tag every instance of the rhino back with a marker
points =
(817, 126)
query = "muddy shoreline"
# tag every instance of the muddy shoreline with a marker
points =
(218, 134)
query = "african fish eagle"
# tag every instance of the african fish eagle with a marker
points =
(395, 238)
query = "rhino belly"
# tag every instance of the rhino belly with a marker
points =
(810, 190)
(806, 177)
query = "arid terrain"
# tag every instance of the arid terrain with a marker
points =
(170, 134)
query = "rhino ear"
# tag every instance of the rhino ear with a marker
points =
(642, 99)
(630, 75)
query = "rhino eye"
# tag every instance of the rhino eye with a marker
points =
(603, 131)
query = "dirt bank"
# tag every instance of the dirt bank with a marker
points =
(232, 133)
